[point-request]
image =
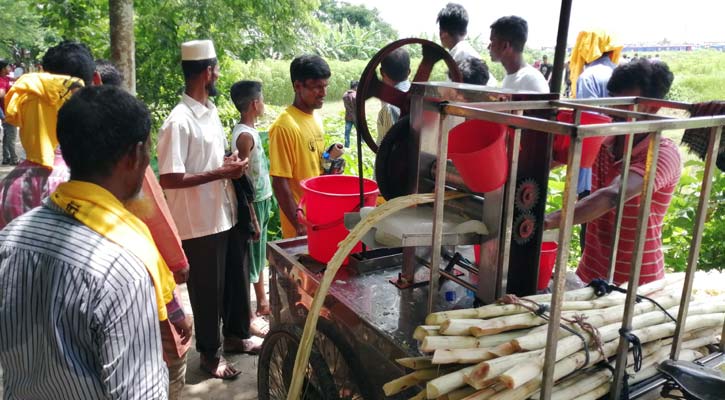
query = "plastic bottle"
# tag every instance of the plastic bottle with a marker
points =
(451, 293)
(326, 162)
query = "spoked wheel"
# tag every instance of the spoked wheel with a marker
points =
(347, 372)
(276, 365)
(371, 86)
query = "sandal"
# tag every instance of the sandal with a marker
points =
(259, 327)
(249, 346)
(219, 368)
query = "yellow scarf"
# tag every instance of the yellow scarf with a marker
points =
(589, 47)
(32, 104)
(101, 211)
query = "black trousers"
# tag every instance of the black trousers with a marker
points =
(219, 287)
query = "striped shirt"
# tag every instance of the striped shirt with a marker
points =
(77, 314)
(600, 232)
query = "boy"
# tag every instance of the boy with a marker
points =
(249, 101)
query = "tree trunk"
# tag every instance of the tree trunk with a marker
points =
(123, 44)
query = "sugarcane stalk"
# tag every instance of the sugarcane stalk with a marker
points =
(458, 394)
(597, 393)
(344, 248)
(415, 363)
(493, 368)
(462, 356)
(499, 310)
(516, 377)
(486, 393)
(420, 396)
(446, 383)
(432, 343)
(497, 325)
(423, 331)
(407, 381)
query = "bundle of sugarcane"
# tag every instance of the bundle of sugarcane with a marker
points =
(497, 351)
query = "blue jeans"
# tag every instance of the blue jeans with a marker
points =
(348, 128)
(10, 136)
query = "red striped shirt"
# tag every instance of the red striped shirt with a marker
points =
(600, 232)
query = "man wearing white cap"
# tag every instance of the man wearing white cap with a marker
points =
(196, 177)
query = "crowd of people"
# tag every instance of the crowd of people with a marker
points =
(93, 245)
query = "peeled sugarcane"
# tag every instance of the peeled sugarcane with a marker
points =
(432, 343)
(412, 379)
(498, 310)
(446, 383)
(483, 327)
(344, 248)
(486, 393)
(564, 367)
(537, 338)
(420, 396)
(423, 331)
(458, 394)
(597, 393)
(482, 373)
(462, 356)
(516, 377)
(415, 362)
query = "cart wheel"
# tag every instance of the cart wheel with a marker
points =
(371, 86)
(349, 376)
(276, 364)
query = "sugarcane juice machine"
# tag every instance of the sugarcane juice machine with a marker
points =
(407, 162)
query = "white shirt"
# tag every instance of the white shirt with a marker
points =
(463, 50)
(527, 78)
(192, 141)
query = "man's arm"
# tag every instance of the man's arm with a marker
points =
(599, 202)
(287, 204)
(232, 168)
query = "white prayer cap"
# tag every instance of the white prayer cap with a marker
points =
(197, 50)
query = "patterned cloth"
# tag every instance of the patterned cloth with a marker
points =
(25, 187)
(77, 314)
(599, 236)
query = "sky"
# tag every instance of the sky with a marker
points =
(629, 21)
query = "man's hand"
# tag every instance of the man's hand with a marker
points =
(233, 167)
(336, 151)
(184, 327)
(181, 276)
(300, 228)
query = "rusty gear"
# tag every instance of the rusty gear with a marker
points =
(527, 194)
(524, 228)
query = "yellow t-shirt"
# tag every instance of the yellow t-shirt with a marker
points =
(296, 144)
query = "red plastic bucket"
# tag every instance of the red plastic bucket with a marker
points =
(478, 151)
(326, 200)
(590, 146)
(546, 263)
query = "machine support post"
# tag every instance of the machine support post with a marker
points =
(621, 201)
(560, 51)
(635, 269)
(562, 258)
(698, 228)
(440, 190)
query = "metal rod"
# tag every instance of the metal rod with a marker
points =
(560, 51)
(508, 213)
(698, 228)
(360, 174)
(621, 201)
(561, 128)
(440, 188)
(562, 258)
(633, 285)
(611, 111)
